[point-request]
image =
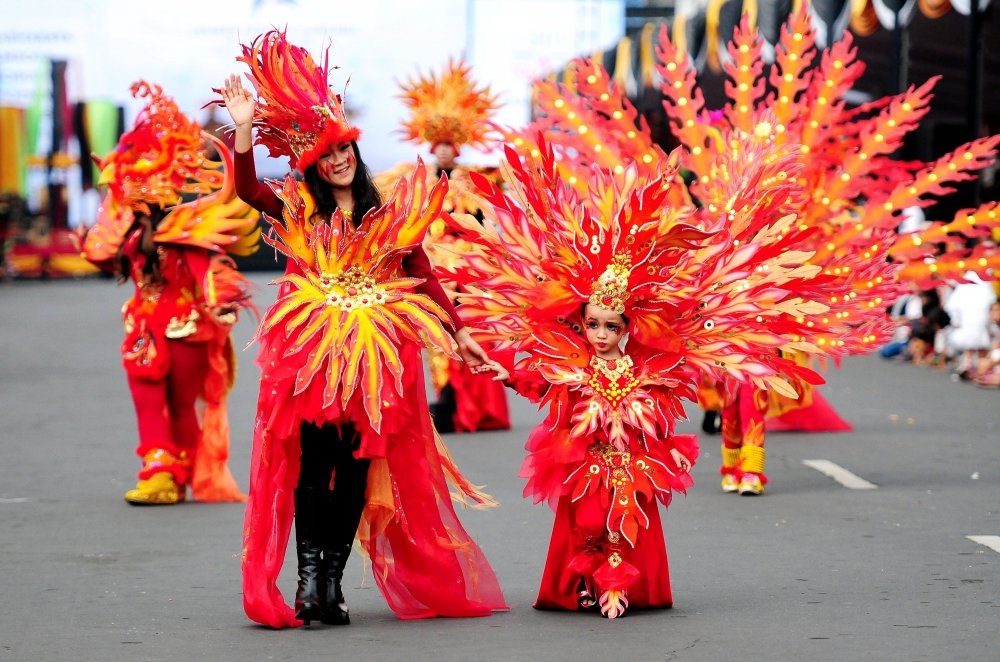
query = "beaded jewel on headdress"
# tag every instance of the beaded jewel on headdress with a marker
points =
(297, 113)
(610, 290)
(161, 158)
(448, 109)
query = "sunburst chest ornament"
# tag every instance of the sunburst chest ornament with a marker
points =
(351, 289)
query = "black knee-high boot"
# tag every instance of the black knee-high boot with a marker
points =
(347, 505)
(311, 505)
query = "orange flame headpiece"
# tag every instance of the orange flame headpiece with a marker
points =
(160, 158)
(297, 115)
(448, 109)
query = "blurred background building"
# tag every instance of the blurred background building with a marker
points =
(66, 68)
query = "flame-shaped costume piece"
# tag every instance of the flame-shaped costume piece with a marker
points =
(694, 299)
(851, 190)
(161, 158)
(341, 319)
(448, 108)
(723, 304)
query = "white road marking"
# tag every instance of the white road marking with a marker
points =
(840, 474)
(993, 542)
(15, 500)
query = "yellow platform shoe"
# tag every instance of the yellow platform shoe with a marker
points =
(729, 469)
(730, 483)
(751, 485)
(160, 489)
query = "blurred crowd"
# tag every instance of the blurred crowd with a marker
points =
(951, 327)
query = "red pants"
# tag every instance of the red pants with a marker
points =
(166, 408)
(743, 416)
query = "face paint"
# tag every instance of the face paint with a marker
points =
(338, 167)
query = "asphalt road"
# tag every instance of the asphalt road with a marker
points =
(811, 570)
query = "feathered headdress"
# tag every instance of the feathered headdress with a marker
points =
(449, 109)
(297, 114)
(160, 158)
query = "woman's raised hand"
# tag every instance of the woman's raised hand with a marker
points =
(240, 101)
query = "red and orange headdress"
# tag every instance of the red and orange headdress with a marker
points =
(163, 157)
(449, 109)
(297, 114)
(160, 159)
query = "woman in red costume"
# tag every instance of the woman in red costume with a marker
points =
(177, 346)
(343, 440)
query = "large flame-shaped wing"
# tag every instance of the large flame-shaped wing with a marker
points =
(589, 121)
(850, 189)
(217, 222)
(723, 305)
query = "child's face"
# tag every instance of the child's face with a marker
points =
(604, 329)
(995, 312)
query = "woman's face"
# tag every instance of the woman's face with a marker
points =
(604, 330)
(338, 167)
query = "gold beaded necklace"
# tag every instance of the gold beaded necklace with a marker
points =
(615, 373)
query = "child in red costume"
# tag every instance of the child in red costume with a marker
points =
(177, 347)
(562, 279)
(607, 548)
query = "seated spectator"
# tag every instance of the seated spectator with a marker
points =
(905, 311)
(969, 310)
(988, 373)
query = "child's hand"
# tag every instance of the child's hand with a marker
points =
(502, 374)
(682, 462)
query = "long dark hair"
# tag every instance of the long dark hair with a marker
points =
(366, 195)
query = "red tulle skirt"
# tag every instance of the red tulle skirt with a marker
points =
(581, 535)
(423, 560)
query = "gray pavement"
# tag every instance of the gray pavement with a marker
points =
(812, 570)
